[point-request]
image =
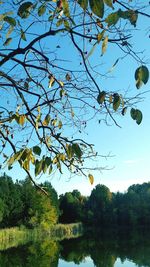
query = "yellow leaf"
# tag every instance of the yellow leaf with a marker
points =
(38, 109)
(55, 160)
(51, 81)
(60, 125)
(22, 119)
(91, 178)
(104, 45)
(110, 99)
(61, 83)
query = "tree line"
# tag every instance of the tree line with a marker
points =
(104, 208)
(21, 203)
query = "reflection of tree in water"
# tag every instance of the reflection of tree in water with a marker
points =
(39, 254)
(106, 247)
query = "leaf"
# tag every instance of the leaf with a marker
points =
(77, 150)
(91, 51)
(23, 37)
(101, 97)
(97, 7)
(112, 19)
(59, 22)
(62, 157)
(22, 119)
(141, 76)
(7, 42)
(131, 15)
(61, 83)
(69, 151)
(110, 99)
(124, 110)
(10, 30)
(48, 161)
(24, 10)
(108, 3)
(44, 165)
(66, 8)
(26, 164)
(46, 120)
(36, 150)
(41, 10)
(62, 93)
(68, 77)
(100, 36)
(38, 167)
(91, 178)
(116, 102)
(83, 4)
(60, 124)
(10, 20)
(136, 115)
(66, 24)
(51, 81)
(104, 45)
(111, 69)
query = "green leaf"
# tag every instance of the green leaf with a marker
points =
(69, 151)
(46, 120)
(112, 19)
(97, 7)
(131, 15)
(108, 3)
(104, 45)
(10, 20)
(66, 24)
(38, 167)
(83, 4)
(7, 42)
(24, 10)
(41, 10)
(37, 150)
(77, 150)
(136, 115)
(141, 76)
(59, 22)
(101, 97)
(116, 102)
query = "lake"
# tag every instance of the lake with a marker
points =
(103, 249)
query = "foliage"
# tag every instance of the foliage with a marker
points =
(103, 208)
(72, 207)
(23, 204)
(47, 97)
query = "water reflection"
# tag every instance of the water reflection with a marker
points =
(105, 249)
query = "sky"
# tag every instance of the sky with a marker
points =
(128, 146)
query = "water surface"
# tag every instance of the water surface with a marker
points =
(101, 250)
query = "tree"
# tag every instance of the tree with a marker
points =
(72, 207)
(50, 85)
(100, 205)
(22, 204)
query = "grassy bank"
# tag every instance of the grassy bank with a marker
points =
(16, 236)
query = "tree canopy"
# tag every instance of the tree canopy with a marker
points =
(52, 76)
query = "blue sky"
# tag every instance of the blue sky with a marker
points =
(129, 146)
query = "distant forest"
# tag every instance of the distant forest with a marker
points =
(21, 204)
